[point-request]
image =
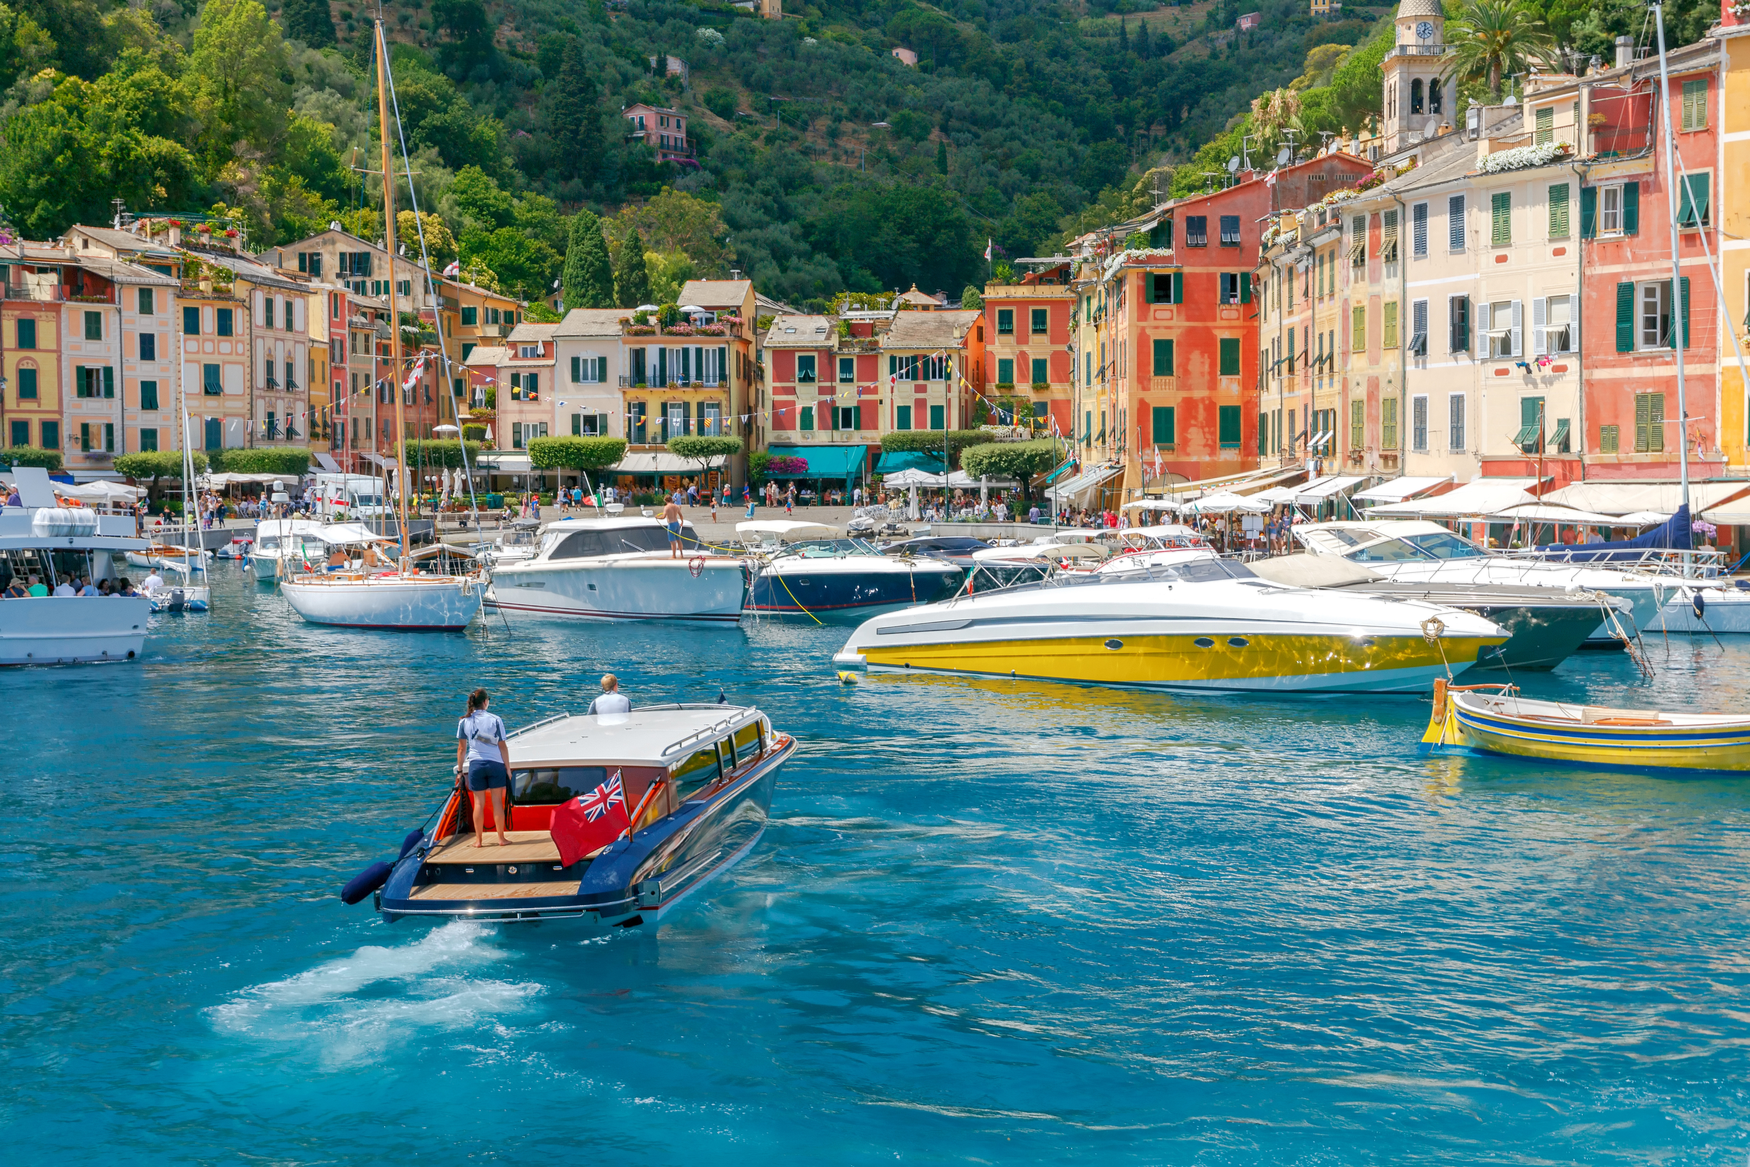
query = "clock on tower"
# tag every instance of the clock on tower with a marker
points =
(1424, 31)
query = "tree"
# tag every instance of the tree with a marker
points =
(483, 204)
(574, 117)
(1495, 38)
(588, 278)
(631, 276)
(264, 460)
(971, 297)
(444, 454)
(440, 245)
(308, 21)
(942, 156)
(152, 464)
(576, 453)
(523, 266)
(704, 449)
(1018, 460)
(677, 221)
(930, 442)
(237, 69)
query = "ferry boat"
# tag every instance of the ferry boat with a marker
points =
(695, 784)
(810, 570)
(620, 569)
(56, 544)
(1207, 624)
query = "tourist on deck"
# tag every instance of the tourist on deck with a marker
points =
(611, 700)
(12, 497)
(65, 588)
(483, 754)
(16, 590)
(151, 583)
(124, 587)
(37, 587)
(671, 521)
(86, 588)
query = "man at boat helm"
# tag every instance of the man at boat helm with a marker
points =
(671, 518)
(611, 700)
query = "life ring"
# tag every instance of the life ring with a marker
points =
(696, 565)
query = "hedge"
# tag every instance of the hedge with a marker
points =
(576, 453)
(156, 464)
(930, 442)
(265, 460)
(441, 454)
(30, 456)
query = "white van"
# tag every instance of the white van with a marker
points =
(350, 495)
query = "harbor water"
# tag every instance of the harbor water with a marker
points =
(989, 922)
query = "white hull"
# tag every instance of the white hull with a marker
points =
(265, 567)
(176, 598)
(1724, 610)
(1645, 594)
(655, 586)
(51, 630)
(421, 603)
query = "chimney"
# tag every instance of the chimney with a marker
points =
(1625, 51)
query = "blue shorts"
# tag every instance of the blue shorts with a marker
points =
(486, 775)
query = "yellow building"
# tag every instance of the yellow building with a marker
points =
(1734, 260)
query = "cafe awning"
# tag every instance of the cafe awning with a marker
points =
(1483, 496)
(1320, 489)
(844, 462)
(1398, 489)
(660, 462)
(893, 461)
(1084, 482)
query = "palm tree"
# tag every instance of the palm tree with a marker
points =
(1497, 38)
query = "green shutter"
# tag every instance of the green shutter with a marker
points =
(1588, 212)
(1163, 425)
(1693, 208)
(1148, 288)
(1625, 317)
(1682, 294)
(109, 370)
(1229, 425)
(1178, 287)
(1558, 211)
(1631, 208)
(1501, 219)
(1163, 362)
(1230, 357)
(1245, 287)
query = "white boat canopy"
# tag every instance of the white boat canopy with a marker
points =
(1399, 489)
(785, 530)
(1484, 496)
(1321, 489)
(345, 534)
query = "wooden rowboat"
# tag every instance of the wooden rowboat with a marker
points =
(1494, 719)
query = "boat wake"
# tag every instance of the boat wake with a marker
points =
(354, 1008)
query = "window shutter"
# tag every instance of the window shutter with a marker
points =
(1483, 325)
(1625, 317)
(1455, 222)
(1148, 288)
(1518, 329)
(1692, 201)
(1655, 422)
(1178, 287)
(1455, 340)
(1245, 287)
(1163, 358)
(576, 370)
(1588, 212)
(1419, 229)
(1539, 318)
(109, 370)
(1631, 208)
(1682, 301)
(1501, 219)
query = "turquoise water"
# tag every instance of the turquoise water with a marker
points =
(990, 922)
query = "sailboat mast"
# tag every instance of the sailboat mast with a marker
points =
(1677, 337)
(394, 315)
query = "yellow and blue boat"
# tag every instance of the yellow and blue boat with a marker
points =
(1495, 719)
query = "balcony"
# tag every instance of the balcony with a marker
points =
(1430, 50)
(43, 293)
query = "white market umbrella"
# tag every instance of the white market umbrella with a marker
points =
(1224, 503)
(1533, 512)
(446, 428)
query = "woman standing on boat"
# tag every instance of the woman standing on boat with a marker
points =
(481, 748)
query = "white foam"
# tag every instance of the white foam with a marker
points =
(355, 1007)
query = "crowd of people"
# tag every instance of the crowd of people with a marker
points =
(25, 587)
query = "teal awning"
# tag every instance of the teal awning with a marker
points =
(823, 461)
(1058, 473)
(893, 461)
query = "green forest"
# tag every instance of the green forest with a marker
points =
(824, 164)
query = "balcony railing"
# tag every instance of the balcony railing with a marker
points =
(44, 293)
(628, 382)
(1432, 50)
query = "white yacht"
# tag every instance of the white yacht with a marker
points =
(371, 590)
(1200, 623)
(810, 569)
(1415, 549)
(56, 544)
(620, 569)
(283, 546)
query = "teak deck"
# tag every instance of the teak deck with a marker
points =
(493, 891)
(524, 847)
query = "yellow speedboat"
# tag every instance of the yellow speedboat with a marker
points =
(1494, 719)
(1203, 623)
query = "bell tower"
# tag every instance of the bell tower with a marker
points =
(1418, 97)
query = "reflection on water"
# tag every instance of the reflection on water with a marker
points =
(991, 920)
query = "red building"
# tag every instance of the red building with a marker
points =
(1029, 338)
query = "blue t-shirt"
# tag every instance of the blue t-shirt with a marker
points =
(482, 731)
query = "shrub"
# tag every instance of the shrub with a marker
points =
(156, 464)
(30, 456)
(756, 467)
(721, 102)
(786, 464)
(474, 433)
(443, 454)
(293, 463)
(930, 442)
(576, 453)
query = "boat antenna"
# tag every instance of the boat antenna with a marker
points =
(394, 313)
(1677, 337)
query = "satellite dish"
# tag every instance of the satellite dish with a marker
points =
(1233, 164)
(1283, 157)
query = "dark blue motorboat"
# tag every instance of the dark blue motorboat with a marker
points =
(847, 576)
(696, 779)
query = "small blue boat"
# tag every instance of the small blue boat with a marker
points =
(696, 781)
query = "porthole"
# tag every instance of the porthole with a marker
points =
(511, 869)
(1114, 645)
(1237, 641)
(1204, 642)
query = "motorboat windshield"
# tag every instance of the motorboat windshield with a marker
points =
(830, 548)
(1446, 545)
(591, 543)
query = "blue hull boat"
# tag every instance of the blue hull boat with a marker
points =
(696, 780)
(855, 583)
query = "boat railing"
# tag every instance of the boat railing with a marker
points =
(1702, 563)
(536, 725)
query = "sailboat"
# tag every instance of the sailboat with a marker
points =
(403, 598)
(186, 596)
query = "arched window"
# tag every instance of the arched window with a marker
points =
(1416, 96)
(1434, 97)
